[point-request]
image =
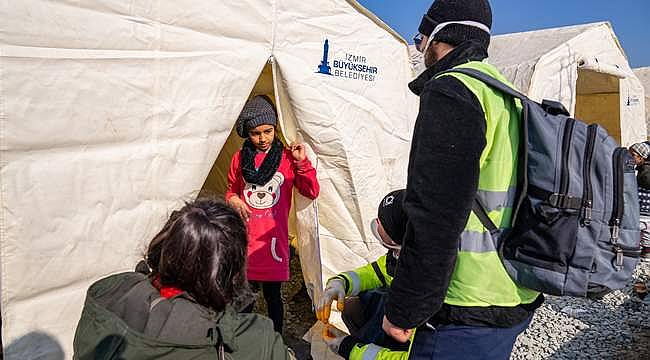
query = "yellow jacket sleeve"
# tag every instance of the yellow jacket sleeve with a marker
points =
(374, 352)
(368, 277)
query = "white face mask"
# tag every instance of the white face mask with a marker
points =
(443, 25)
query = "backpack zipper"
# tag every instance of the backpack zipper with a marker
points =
(566, 143)
(617, 204)
(633, 252)
(587, 198)
(620, 252)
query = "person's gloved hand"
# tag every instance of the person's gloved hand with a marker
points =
(334, 290)
(333, 337)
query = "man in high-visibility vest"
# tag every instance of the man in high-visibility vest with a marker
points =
(364, 290)
(451, 294)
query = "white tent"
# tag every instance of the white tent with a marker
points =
(114, 112)
(644, 76)
(584, 67)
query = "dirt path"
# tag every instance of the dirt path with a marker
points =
(298, 314)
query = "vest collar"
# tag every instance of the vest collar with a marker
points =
(463, 53)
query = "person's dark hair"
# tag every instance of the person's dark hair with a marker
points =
(202, 250)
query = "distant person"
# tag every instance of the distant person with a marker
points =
(364, 290)
(450, 284)
(186, 306)
(260, 186)
(641, 154)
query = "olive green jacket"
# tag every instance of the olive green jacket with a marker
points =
(125, 317)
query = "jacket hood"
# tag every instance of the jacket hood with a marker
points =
(130, 299)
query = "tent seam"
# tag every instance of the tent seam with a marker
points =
(274, 27)
(3, 164)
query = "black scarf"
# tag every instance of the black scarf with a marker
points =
(269, 166)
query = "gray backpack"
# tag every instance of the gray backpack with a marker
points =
(575, 228)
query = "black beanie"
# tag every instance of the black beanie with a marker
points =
(442, 11)
(391, 215)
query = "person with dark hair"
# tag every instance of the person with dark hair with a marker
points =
(261, 179)
(450, 284)
(641, 154)
(186, 306)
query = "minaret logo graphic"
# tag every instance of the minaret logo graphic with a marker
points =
(324, 67)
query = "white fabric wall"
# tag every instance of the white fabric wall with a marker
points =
(112, 114)
(644, 76)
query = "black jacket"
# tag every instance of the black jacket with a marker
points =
(643, 177)
(443, 175)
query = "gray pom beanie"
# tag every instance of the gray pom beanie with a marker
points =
(257, 111)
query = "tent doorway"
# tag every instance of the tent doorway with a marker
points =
(303, 218)
(305, 264)
(217, 181)
(598, 100)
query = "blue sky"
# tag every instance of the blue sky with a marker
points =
(630, 18)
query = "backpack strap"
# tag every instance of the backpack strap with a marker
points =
(482, 215)
(488, 80)
(477, 207)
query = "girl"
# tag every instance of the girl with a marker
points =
(260, 182)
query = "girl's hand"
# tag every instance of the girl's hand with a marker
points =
(298, 151)
(240, 206)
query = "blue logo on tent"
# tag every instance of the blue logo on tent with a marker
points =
(351, 66)
(324, 67)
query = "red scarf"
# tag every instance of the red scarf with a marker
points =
(166, 291)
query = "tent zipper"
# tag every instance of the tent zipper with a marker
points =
(587, 198)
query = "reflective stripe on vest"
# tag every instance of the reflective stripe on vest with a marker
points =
(367, 277)
(496, 200)
(371, 352)
(355, 282)
(479, 278)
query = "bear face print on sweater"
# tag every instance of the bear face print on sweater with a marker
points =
(264, 197)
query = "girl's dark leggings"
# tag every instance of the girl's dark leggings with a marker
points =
(273, 298)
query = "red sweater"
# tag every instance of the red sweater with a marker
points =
(268, 224)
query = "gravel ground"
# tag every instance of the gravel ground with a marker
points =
(616, 327)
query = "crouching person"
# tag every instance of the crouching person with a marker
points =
(363, 292)
(186, 306)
